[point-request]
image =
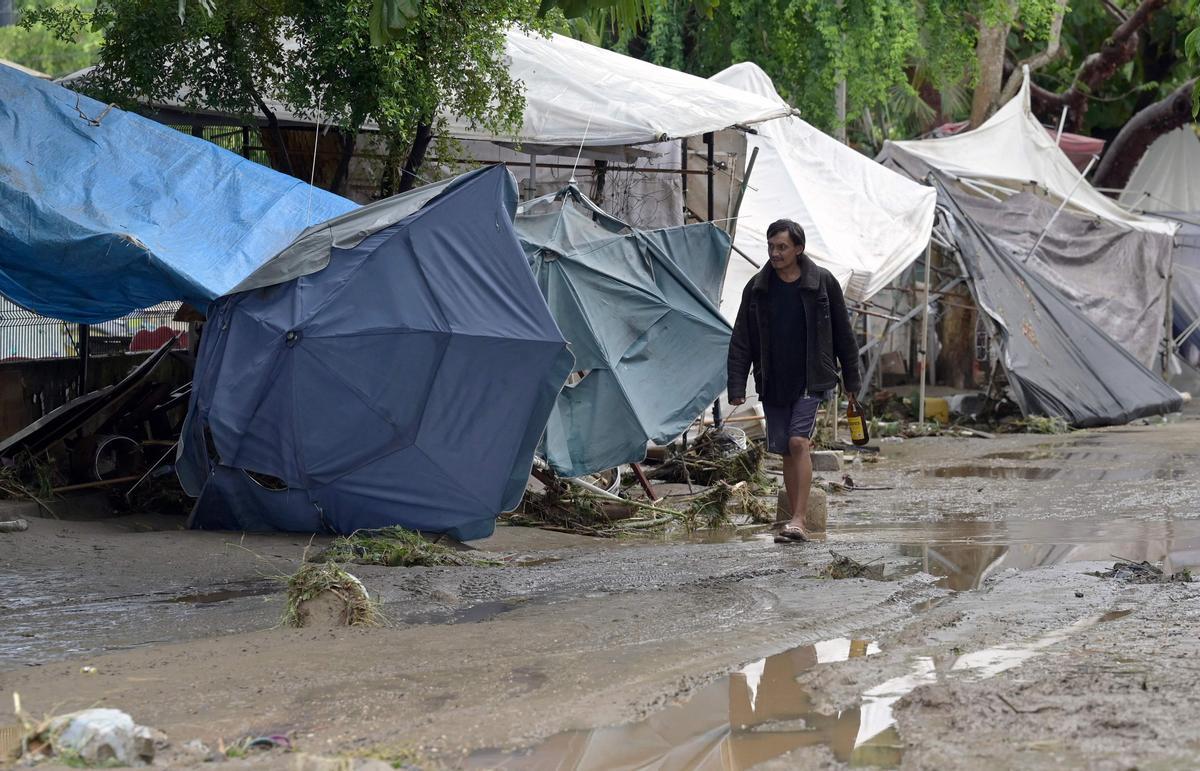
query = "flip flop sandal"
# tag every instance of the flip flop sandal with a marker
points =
(793, 534)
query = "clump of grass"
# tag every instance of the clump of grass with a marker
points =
(712, 508)
(313, 580)
(1037, 424)
(393, 546)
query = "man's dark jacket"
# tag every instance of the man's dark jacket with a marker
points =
(826, 324)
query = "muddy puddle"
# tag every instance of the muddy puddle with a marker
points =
(1064, 473)
(750, 716)
(965, 553)
(51, 617)
(761, 712)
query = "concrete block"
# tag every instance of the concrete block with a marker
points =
(826, 460)
(814, 518)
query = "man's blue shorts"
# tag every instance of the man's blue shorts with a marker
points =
(787, 420)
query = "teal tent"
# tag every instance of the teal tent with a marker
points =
(638, 310)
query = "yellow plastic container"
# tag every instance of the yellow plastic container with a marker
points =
(937, 409)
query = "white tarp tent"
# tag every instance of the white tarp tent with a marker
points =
(576, 93)
(1167, 178)
(864, 223)
(1012, 148)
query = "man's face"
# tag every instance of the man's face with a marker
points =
(783, 252)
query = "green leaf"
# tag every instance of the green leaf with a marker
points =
(389, 17)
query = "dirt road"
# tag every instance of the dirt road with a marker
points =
(981, 641)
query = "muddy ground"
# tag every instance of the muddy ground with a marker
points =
(980, 641)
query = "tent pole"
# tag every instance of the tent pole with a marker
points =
(1168, 332)
(1062, 122)
(710, 141)
(531, 183)
(737, 204)
(85, 333)
(1061, 206)
(922, 351)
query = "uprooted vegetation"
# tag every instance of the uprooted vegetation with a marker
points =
(728, 490)
(1143, 573)
(393, 546)
(327, 594)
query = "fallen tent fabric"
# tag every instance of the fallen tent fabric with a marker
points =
(407, 383)
(103, 212)
(1059, 363)
(1167, 178)
(1185, 283)
(637, 309)
(863, 222)
(1114, 275)
(1012, 148)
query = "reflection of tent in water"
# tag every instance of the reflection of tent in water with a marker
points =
(755, 714)
(406, 382)
(639, 310)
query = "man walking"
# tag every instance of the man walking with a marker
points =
(791, 325)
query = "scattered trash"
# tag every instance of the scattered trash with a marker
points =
(94, 737)
(88, 670)
(1078, 594)
(711, 508)
(14, 526)
(325, 595)
(1143, 573)
(845, 567)
(394, 546)
(716, 455)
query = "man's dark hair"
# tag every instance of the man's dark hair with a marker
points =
(791, 228)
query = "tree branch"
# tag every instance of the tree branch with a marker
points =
(1052, 51)
(1123, 153)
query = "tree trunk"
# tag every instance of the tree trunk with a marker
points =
(1124, 152)
(989, 53)
(416, 156)
(1097, 68)
(341, 176)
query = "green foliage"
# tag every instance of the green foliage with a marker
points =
(315, 57)
(44, 50)
(394, 546)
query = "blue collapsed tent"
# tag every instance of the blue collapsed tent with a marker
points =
(103, 211)
(405, 382)
(639, 310)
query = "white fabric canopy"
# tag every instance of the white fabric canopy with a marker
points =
(1012, 147)
(576, 93)
(863, 222)
(1167, 178)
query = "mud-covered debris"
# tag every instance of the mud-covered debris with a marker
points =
(846, 567)
(393, 546)
(14, 526)
(1143, 573)
(326, 596)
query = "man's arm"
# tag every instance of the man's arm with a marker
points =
(740, 357)
(844, 343)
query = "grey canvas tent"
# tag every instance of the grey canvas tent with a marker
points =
(1115, 275)
(1059, 363)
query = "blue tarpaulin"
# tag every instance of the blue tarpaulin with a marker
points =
(103, 211)
(405, 383)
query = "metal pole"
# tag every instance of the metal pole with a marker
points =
(737, 204)
(683, 173)
(1061, 123)
(922, 351)
(1061, 206)
(85, 333)
(531, 183)
(710, 140)
(1168, 331)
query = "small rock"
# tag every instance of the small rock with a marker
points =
(372, 765)
(14, 526)
(1078, 594)
(826, 460)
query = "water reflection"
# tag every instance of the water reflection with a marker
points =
(755, 714)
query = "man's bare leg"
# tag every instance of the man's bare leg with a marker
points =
(797, 479)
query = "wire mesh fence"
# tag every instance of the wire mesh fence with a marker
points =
(26, 336)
